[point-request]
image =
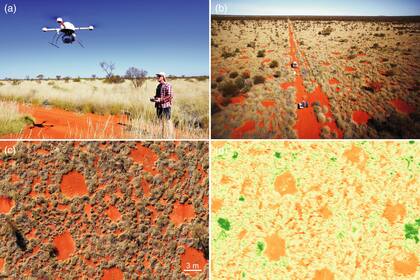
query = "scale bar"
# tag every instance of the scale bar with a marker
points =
(192, 270)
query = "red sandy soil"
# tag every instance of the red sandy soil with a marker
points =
(1, 264)
(402, 107)
(238, 100)
(268, 103)
(190, 257)
(61, 124)
(6, 204)
(239, 132)
(73, 184)
(113, 213)
(6, 144)
(360, 117)
(286, 85)
(307, 125)
(349, 69)
(182, 213)
(65, 246)
(333, 81)
(113, 273)
(145, 156)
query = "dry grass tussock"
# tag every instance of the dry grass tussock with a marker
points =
(11, 121)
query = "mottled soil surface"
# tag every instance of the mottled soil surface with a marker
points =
(360, 78)
(104, 210)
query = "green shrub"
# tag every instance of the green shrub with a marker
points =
(259, 80)
(326, 31)
(233, 75)
(114, 80)
(240, 82)
(261, 53)
(219, 79)
(227, 54)
(229, 89)
(274, 64)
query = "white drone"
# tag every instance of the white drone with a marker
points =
(67, 32)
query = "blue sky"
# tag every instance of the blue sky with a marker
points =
(317, 7)
(165, 35)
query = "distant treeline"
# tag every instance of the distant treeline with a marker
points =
(322, 18)
(200, 78)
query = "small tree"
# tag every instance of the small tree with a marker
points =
(93, 76)
(137, 76)
(40, 77)
(108, 68)
(58, 77)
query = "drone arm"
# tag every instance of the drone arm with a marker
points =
(45, 29)
(84, 28)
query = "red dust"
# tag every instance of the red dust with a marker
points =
(73, 184)
(65, 245)
(61, 124)
(268, 103)
(113, 213)
(286, 85)
(238, 100)
(192, 259)
(239, 132)
(349, 69)
(333, 81)
(402, 106)
(6, 204)
(145, 156)
(181, 213)
(360, 117)
(113, 273)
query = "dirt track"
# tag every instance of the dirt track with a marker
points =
(307, 125)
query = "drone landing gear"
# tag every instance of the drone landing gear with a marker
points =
(80, 43)
(54, 41)
(52, 44)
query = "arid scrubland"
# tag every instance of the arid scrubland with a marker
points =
(104, 210)
(360, 76)
(189, 111)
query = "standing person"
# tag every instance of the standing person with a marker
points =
(163, 103)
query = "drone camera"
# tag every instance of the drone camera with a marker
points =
(59, 20)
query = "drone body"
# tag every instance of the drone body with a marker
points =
(66, 32)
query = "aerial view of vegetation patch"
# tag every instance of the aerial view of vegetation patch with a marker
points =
(104, 210)
(315, 77)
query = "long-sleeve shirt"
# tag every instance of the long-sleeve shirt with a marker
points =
(166, 95)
